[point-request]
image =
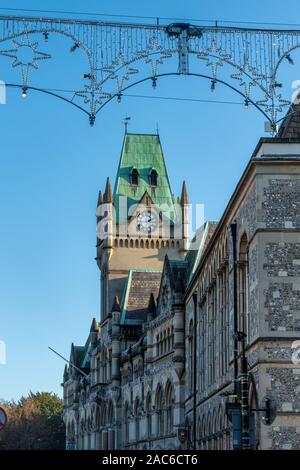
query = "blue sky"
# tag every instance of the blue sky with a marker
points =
(53, 164)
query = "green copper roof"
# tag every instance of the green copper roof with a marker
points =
(144, 153)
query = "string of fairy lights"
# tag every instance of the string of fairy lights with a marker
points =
(119, 55)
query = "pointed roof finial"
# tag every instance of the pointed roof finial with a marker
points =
(94, 326)
(184, 195)
(100, 199)
(116, 305)
(152, 304)
(108, 194)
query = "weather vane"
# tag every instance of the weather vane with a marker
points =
(126, 122)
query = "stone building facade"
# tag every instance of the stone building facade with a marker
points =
(160, 368)
(264, 210)
(124, 388)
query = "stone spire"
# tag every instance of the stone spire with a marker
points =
(108, 194)
(66, 372)
(100, 199)
(184, 195)
(94, 326)
(185, 217)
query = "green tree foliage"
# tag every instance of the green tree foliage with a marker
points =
(34, 423)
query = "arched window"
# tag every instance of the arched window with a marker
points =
(221, 430)
(134, 177)
(110, 413)
(159, 411)
(214, 431)
(160, 343)
(137, 419)
(208, 433)
(109, 364)
(126, 436)
(98, 417)
(169, 339)
(149, 415)
(81, 434)
(153, 178)
(71, 436)
(104, 414)
(170, 408)
(103, 366)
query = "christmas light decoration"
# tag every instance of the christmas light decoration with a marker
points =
(119, 55)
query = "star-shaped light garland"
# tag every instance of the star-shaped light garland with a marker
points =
(19, 62)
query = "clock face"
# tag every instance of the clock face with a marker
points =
(147, 221)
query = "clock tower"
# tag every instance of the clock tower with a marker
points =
(139, 222)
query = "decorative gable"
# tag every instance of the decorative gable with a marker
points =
(172, 281)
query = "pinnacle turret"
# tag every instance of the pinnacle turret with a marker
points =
(108, 193)
(184, 195)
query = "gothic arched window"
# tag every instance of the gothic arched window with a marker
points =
(159, 411)
(110, 413)
(137, 419)
(169, 339)
(169, 407)
(134, 177)
(149, 415)
(157, 345)
(126, 436)
(103, 366)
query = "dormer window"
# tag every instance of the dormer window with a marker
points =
(134, 177)
(153, 178)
